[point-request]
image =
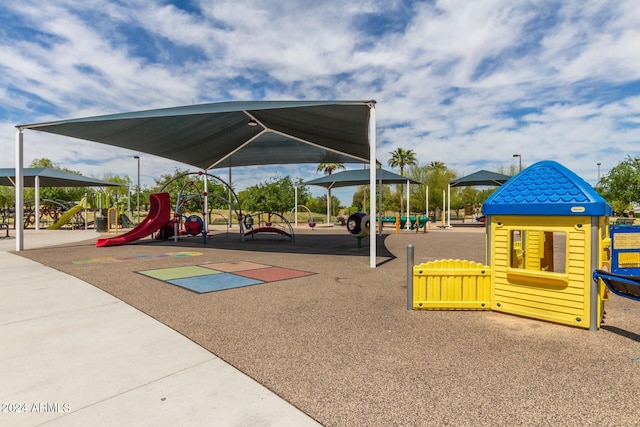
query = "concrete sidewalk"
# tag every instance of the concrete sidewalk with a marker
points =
(74, 355)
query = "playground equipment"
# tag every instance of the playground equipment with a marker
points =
(185, 224)
(159, 215)
(162, 221)
(52, 210)
(66, 216)
(266, 222)
(400, 222)
(311, 222)
(623, 276)
(547, 232)
(167, 225)
(182, 223)
(358, 225)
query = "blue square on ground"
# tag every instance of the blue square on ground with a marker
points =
(214, 282)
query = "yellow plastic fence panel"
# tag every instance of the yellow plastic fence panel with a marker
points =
(451, 285)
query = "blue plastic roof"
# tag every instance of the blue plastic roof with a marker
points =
(546, 188)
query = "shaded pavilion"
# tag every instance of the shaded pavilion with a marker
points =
(230, 134)
(361, 177)
(48, 177)
(481, 178)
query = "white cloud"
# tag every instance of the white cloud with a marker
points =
(448, 79)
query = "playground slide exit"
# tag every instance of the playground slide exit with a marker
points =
(65, 217)
(159, 215)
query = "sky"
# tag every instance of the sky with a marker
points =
(466, 83)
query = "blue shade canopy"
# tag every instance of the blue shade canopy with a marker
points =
(546, 188)
(358, 177)
(51, 178)
(237, 133)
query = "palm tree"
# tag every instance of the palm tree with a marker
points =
(401, 158)
(437, 166)
(327, 169)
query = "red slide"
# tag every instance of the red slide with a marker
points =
(159, 215)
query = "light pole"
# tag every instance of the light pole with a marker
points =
(519, 156)
(598, 164)
(138, 187)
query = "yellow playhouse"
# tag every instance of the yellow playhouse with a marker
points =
(547, 231)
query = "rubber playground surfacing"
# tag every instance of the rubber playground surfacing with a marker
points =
(340, 344)
(221, 276)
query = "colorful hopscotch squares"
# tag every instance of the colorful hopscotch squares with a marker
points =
(219, 276)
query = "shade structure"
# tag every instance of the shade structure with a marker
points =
(239, 133)
(227, 134)
(48, 177)
(359, 177)
(481, 178)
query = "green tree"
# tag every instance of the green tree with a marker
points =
(67, 194)
(275, 195)
(180, 181)
(43, 162)
(321, 205)
(191, 185)
(436, 176)
(437, 166)
(361, 201)
(7, 198)
(118, 195)
(329, 168)
(399, 159)
(621, 186)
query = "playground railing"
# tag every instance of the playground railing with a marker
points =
(451, 285)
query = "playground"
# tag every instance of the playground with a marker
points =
(327, 332)
(335, 339)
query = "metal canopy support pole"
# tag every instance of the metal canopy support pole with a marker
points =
(408, 207)
(444, 208)
(410, 258)
(138, 189)
(329, 203)
(295, 207)
(380, 202)
(19, 192)
(230, 202)
(449, 206)
(205, 212)
(372, 181)
(426, 202)
(36, 213)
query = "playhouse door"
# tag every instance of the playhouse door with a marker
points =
(541, 268)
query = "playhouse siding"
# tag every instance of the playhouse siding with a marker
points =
(561, 298)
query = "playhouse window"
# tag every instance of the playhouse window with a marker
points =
(539, 250)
